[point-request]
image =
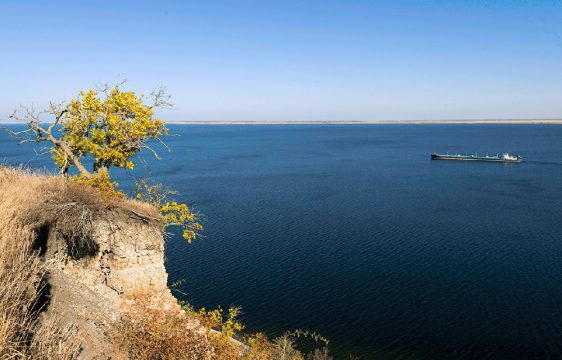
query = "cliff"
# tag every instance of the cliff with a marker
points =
(95, 259)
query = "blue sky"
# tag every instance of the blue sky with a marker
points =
(292, 60)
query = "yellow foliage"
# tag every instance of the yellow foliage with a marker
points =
(173, 213)
(259, 347)
(100, 181)
(228, 323)
(179, 214)
(111, 128)
(60, 158)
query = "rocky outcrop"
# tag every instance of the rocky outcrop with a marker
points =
(120, 262)
(124, 257)
(101, 256)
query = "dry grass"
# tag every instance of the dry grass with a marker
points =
(37, 202)
(20, 284)
(152, 334)
(21, 287)
(146, 333)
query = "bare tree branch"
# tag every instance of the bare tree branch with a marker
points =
(57, 110)
(163, 144)
(35, 132)
(160, 99)
(107, 87)
(144, 146)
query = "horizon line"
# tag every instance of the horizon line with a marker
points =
(365, 122)
(350, 122)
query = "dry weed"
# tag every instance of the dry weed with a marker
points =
(148, 333)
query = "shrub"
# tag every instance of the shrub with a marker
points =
(153, 335)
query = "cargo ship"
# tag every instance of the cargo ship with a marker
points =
(504, 158)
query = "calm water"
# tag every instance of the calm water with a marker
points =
(353, 232)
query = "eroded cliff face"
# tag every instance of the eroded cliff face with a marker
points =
(124, 258)
(94, 285)
(102, 256)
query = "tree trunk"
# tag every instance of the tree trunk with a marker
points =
(68, 151)
(97, 165)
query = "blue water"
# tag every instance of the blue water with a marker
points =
(353, 232)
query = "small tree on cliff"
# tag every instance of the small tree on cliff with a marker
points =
(109, 125)
(105, 127)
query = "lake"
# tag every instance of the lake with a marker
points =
(353, 232)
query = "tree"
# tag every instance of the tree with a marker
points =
(107, 127)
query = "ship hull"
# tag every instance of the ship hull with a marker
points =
(473, 158)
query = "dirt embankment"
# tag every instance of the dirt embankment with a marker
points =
(91, 260)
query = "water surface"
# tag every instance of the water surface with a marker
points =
(353, 232)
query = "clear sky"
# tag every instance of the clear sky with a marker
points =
(292, 60)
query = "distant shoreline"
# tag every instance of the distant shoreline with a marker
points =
(375, 122)
(362, 122)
